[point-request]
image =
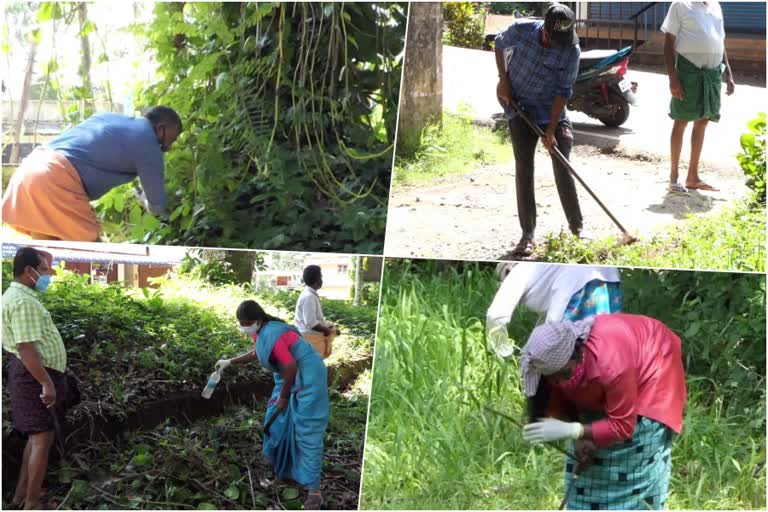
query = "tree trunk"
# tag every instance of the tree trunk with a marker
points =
(373, 271)
(421, 97)
(243, 264)
(85, 59)
(18, 127)
(358, 280)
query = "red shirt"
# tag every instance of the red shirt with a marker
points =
(282, 350)
(633, 367)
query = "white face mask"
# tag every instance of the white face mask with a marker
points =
(251, 329)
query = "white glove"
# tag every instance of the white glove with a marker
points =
(551, 429)
(222, 364)
(499, 341)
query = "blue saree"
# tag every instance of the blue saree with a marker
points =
(294, 445)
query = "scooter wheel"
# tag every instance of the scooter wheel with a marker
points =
(620, 112)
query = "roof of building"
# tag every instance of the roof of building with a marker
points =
(93, 253)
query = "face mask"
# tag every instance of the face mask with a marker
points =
(43, 282)
(251, 329)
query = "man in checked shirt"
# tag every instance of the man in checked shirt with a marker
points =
(538, 62)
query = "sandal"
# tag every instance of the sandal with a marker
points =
(676, 188)
(700, 185)
(524, 247)
(314, 500)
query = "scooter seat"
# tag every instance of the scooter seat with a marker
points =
(592, 57)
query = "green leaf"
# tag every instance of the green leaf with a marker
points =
(207, 506)
(119, 202)
(142, 459)
(232, 492)
(49, 11)
(150, 222)
(88, 28)
(289, 493)
(135, 216)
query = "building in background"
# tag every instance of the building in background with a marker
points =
(132, 265)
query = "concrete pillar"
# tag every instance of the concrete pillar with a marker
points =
(421, 93)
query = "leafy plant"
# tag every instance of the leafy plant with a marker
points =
(465, 23)
(431, 445)
(752, 157)
(211, 464)
(289, 112)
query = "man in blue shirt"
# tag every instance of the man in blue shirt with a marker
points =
(49, 194)
(538, 62)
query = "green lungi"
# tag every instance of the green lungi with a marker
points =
(701, 92)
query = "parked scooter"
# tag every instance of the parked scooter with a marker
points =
(601, 90)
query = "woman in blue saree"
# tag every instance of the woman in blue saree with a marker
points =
(294, 443)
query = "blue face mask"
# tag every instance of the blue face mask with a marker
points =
(43, 282)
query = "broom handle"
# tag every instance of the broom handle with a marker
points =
(561, 158)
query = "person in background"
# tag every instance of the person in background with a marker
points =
(614, 384)
(696, 61)
(538, 62)
(561, 292)
(37, 384)
(294, 444)
(48, 197)
(309, 314)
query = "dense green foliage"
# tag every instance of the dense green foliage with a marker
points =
(465, 24)
(752, 158)
(289, 112)
(206, 465)
(509, 8)
(429, 445)
(167, 340)
(731, 240)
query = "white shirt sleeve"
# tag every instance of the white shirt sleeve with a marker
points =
(671, 23)
(308, 312)
(503, 306)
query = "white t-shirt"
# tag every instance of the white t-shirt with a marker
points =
(544, 288)
(699, 32)
(308, 312)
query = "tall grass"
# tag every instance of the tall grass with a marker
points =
(430, 445)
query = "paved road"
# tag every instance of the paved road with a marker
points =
(470, 77)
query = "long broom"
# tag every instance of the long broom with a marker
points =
(626, 238)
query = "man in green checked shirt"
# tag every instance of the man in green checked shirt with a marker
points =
(37, 360)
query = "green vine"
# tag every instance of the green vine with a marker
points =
(289, 112)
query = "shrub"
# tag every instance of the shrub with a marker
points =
(465, 23)
(752, 158)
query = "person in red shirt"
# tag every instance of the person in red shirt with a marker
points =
(614, 384)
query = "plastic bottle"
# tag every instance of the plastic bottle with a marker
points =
(212, 381)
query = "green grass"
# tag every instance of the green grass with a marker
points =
(732, 240)
(431, 446)
(455, 148)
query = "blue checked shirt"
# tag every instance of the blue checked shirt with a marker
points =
(537, 74)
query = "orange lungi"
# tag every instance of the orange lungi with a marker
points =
(45, 199)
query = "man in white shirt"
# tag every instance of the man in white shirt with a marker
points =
(695, 58)
(562, 292)
(308, 315)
